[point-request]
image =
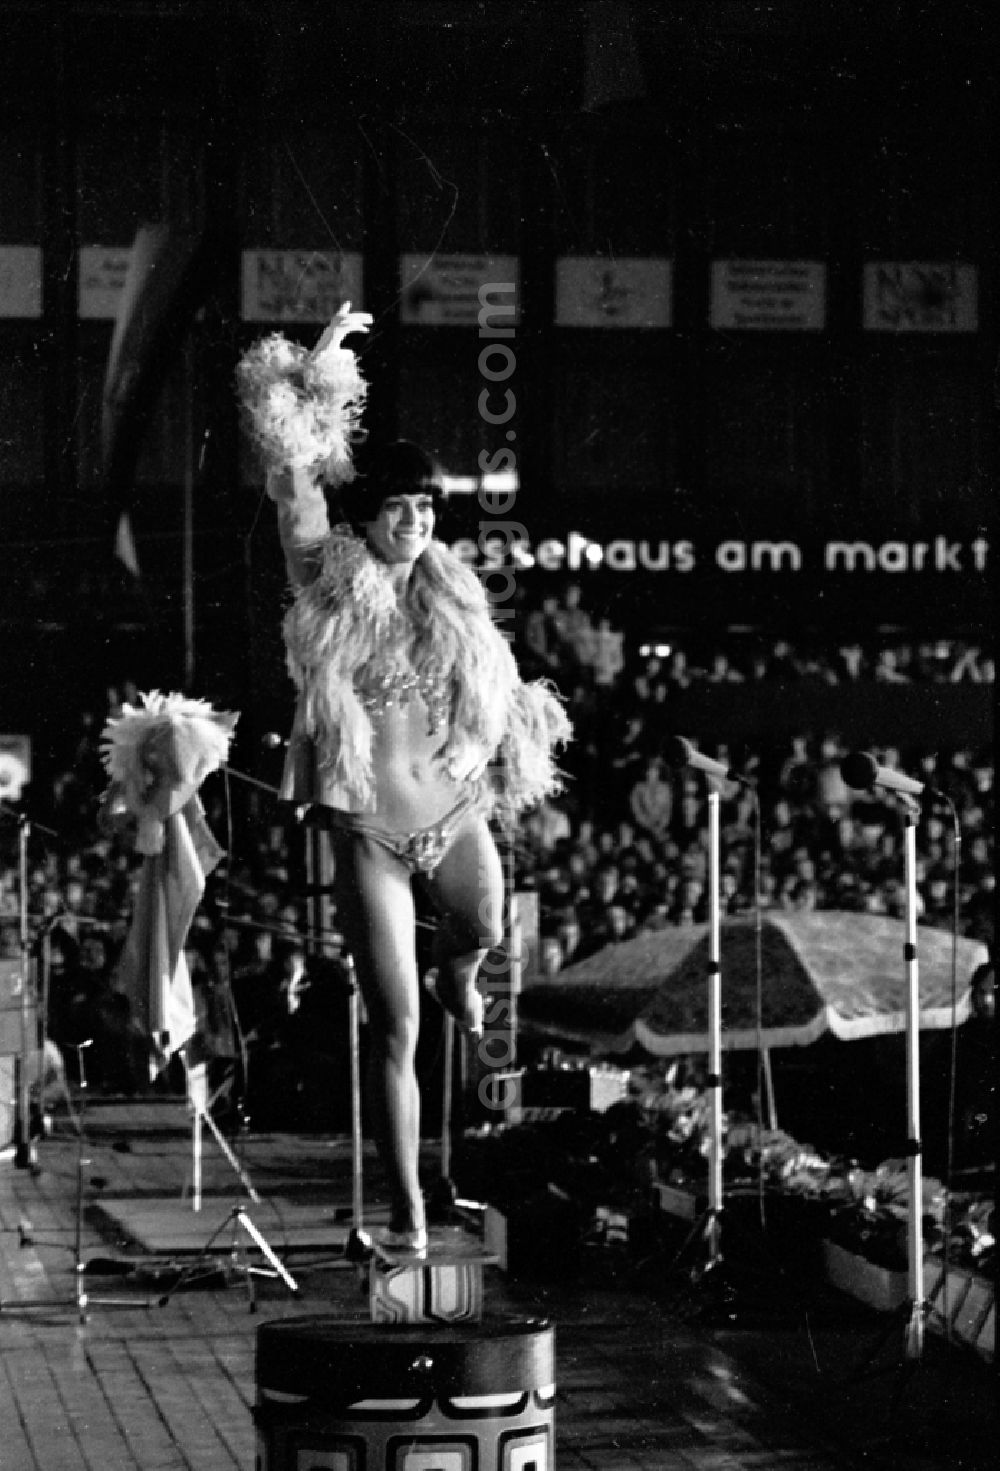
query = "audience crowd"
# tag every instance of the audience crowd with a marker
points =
(622, 851)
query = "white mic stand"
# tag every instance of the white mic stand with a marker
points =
(716, 775)
(713, 1230)
(916, 1306)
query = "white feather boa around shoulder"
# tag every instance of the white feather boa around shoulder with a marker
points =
(348, 616)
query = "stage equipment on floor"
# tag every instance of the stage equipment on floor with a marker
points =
(27, 1040)
(238, 1217)
(709, 1228)
(81, 1300)
(862, 772)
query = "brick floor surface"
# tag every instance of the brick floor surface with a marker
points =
(646, 1377)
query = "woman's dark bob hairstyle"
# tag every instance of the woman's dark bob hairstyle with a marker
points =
(398, 468)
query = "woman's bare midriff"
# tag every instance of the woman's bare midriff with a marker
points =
(411, 788)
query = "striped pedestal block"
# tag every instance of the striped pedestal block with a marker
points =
(444, 1284)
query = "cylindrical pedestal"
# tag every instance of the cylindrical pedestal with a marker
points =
(375, 1397)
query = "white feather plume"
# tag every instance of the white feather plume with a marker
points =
(304, 407)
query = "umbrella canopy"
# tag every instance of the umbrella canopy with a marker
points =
(828, 971)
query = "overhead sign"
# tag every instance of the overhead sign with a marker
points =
(299, 285)
(769, 295)
(445, 290)
(593, 291)
(101, 280)
(20, 281)
(920, 296)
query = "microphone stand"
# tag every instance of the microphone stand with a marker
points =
(81, 1300)
(24, 1156)
(714, 1081)
(916, 1306)
(914, 1310)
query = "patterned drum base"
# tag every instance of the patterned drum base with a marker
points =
(451, 1419)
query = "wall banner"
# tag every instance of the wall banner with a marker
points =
(102, 270)
(299, 285)
(769, 295)
(593, 291)
(449, 290)
(20, 281)
(920, 296)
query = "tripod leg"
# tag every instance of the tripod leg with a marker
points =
(266, 1251)
(245, 1180)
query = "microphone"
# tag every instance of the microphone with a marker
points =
(680, 752)
(861, 770)
(272, 741)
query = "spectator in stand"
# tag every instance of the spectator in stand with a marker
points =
(609, 657)
(782, 665)
(678, 675)
(656, 918)
(546, 826)
(958, 780)
(550, 956)
(542, 639)
(720, 671)
(651, 801)
(692, 903)
(576, 633)
(798, 775)
(621, 922)
(937, 899)
(631, 754)
(832, 792)
(568, 933)
(646, 678)
(850, 664)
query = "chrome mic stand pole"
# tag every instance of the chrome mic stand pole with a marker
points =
(714, 1079)
(23, 1154)
(914, 1336)
(81, 1299)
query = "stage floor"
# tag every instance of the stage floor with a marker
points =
(642, 1380)
(169, 1224)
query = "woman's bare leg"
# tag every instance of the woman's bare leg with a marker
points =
(375, 911)
(467, 888)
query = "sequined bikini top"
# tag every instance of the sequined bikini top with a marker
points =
(382, 685)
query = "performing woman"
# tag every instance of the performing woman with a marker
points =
(412, 729)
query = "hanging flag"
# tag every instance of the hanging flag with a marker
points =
(125, 545)
(167, 274)
(162, 288)
(157, 756)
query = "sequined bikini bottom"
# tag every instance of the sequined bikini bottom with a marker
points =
(420, 851)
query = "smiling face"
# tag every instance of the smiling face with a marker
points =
(402, 529)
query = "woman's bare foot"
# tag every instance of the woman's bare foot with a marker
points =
(460, 999)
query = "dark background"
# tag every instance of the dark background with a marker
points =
(841, 133)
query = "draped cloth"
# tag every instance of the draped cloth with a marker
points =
(153, 972)
(157, 757)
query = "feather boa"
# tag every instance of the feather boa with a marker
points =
(157, 756)
(348, 618)
(304, 407)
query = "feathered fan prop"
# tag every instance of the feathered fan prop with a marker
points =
(304, 407)
(157, 755)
